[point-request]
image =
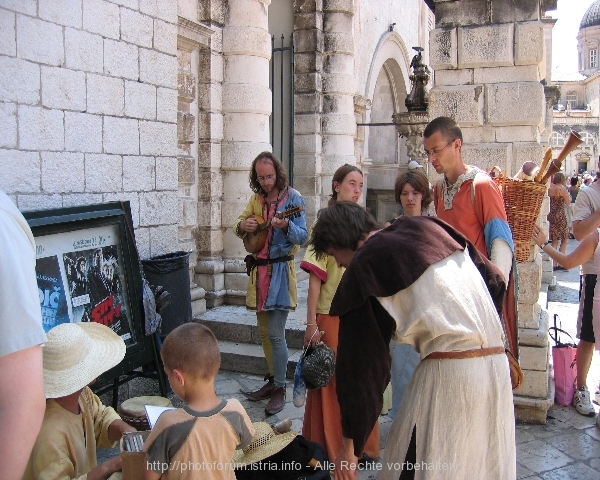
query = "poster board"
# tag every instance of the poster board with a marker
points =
(87, 270)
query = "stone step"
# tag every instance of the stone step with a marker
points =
(249, 358)
(229, 324)
(237, 332)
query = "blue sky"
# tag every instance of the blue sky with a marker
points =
(564, 35)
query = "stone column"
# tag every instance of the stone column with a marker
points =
(246, 108)
(192, 39)
(324, 123)
(308, 101)
(209, 234)
(488, 57)
(338, 123)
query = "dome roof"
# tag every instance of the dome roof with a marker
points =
(591, 17)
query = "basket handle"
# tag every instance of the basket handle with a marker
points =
(495, 171)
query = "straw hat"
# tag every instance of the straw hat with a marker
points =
(75, 354)
(265, 443)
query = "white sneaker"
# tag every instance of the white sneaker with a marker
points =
(597, 398)
(582, 403)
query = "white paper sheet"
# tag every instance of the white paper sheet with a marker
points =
(153, 412)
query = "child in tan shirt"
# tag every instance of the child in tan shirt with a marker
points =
(198, 440)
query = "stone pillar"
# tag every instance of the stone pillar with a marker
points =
(246, 108)
(361, 105)
(192, 39)
(308, 101)
(337, 123)
(209, 234)
(489, 58)
(324, 123)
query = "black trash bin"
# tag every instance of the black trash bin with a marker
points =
(171, 271)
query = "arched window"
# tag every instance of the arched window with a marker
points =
(557, 139)
(593, 58)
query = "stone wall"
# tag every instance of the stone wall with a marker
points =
(88, 112)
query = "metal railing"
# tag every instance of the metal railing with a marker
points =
(285, 111)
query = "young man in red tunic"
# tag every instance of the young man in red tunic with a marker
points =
(469, 200)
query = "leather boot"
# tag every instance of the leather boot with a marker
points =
(264, 392)
(277, 401)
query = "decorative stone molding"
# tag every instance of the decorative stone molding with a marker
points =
(361, 104)
(191, 34)
(410, 125)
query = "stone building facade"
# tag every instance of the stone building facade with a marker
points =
(165, 103)
(579, 104)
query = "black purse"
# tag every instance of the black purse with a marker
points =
(319, 366)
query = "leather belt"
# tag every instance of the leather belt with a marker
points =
(270, 261)
(479, 352)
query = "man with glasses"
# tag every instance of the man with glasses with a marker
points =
(272, 284)
(468, 199)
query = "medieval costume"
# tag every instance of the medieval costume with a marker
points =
(424, 284)
(474, 206)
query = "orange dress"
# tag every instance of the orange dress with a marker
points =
(322, 417)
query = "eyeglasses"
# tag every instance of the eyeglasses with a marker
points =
(267, 178)
(437, 151)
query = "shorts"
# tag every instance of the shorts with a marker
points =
(585, 328)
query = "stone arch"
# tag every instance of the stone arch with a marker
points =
(390, 47)
(390, 62)
(386, 87)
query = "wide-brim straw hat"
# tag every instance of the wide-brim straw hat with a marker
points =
(265, 443)
(75, 354)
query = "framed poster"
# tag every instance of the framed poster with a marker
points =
(88, 271)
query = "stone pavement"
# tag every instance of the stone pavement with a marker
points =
(567, 447)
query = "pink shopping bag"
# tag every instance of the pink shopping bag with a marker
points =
(564, 358)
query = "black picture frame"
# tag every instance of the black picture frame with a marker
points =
(88, 270)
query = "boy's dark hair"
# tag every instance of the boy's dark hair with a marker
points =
(193, 349)
(339, 176)
(281, 177)
(446, 126)
(342, 225)
(419, 182)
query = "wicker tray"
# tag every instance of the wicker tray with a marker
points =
(522, 202)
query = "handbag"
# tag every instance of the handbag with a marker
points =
(319, 366)
(564, 358)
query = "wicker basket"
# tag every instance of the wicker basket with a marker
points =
(522, 202)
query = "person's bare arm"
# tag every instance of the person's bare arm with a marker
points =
(312, 298)
(583, 252)
(582, 228)
(106, 469)
(565, 194)
(117, 428)
(22, 406)
(150, 474)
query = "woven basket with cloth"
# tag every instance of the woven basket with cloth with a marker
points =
(522, 202)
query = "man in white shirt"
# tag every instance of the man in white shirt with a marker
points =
(586, 220)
